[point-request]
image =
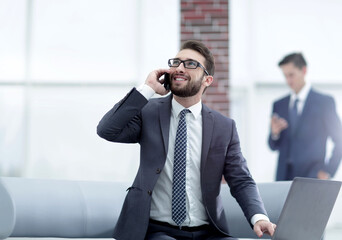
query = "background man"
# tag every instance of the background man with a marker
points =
(300, 125)
(185, 149)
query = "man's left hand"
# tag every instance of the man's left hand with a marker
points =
(323, 175)
(262, 226)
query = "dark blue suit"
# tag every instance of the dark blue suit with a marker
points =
(136, 120)
(317, 122)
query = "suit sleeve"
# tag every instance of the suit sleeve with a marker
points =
(241, 183)
(123, 122)
(274, 143)
(334, 128)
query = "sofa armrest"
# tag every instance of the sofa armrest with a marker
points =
(7, 212)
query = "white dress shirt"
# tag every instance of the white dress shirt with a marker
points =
(162, 193)
(301, 96)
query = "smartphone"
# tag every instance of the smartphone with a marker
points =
(167, 81)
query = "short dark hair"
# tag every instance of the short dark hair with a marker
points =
(204, 51)
(296, 58)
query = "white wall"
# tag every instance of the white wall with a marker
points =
(63, 65)
(261, 33)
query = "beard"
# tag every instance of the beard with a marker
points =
(189, 90)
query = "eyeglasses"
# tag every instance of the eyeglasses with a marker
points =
(190, 64)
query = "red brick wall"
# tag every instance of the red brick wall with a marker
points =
(207, 21)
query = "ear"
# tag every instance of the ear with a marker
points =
(208, 80)
(304, 69)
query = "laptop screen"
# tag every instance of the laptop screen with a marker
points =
(307, 209)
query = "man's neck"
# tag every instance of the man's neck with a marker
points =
(299, 89)
(187, 101)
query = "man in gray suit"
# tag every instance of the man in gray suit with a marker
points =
(186, 148)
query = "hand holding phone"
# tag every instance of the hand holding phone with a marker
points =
(278, 124)
(159, 81)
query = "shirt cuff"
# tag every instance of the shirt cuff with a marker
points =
(146, 91)
(258, 217)
(275, 137)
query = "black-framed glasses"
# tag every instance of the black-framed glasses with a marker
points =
(190, 64)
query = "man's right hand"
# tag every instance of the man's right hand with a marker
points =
(153, 81)
(278, 124)
(262, 226)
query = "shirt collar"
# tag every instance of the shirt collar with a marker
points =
(195, 109)
(303, 93)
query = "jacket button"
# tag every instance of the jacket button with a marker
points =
(158, 170)
(149, 192)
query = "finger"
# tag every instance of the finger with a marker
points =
(258, 231)
(153, 77)
(161, 72)
(270, 229)
(275, 119)
(161, 90)
(283, 123)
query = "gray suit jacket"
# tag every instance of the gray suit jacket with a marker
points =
(136, 120)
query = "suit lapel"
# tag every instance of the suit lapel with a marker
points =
(164, 119)
(286, 108)
(207, 132)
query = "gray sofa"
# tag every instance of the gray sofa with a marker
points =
(80, 209)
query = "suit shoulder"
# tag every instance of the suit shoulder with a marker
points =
(321, 99)
(322, 96)
(160, 99)
(219, 116)
(281, 99)
(154, 102)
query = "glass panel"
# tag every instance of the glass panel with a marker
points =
(12, 40)
(76, 41)
(63, 141)
(12, 131)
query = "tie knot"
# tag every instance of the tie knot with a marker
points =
(183, 112)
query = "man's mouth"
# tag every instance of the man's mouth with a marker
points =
(180, 78)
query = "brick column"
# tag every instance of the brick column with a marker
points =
(207, 21)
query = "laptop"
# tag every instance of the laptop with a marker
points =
(307, 209)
